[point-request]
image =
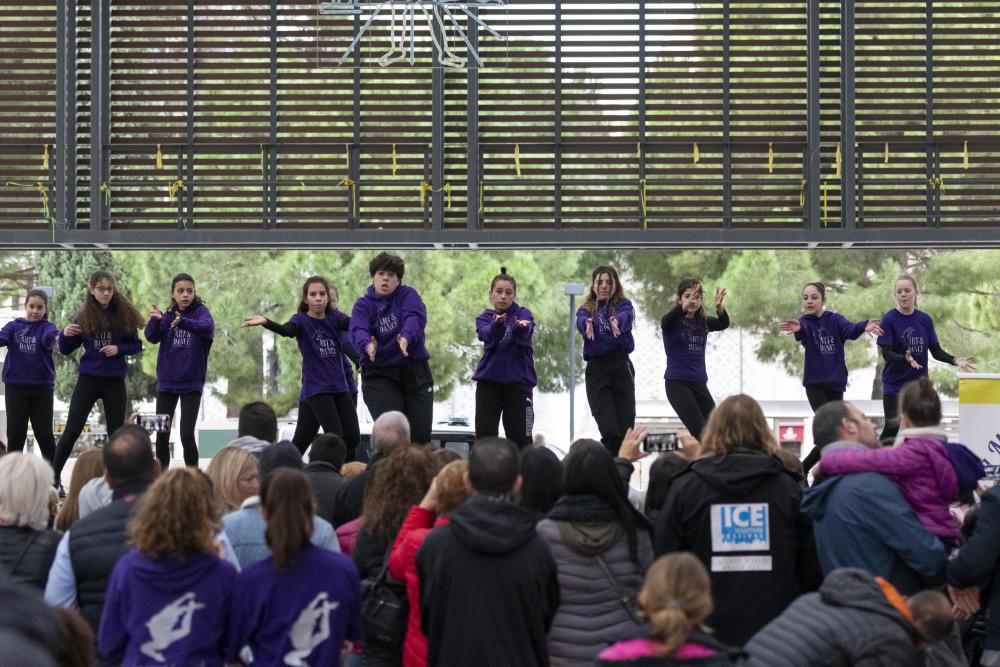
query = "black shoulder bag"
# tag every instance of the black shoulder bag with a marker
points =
(384, 608)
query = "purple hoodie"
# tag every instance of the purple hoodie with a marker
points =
(684, 341)
(823, 339)
(182, 362)
(401, 313)
(323, 368)
(167, 611)
(913, 332)
(507, 354)
(298, 616)
(605, 344)
(29, 352)
(95, 363)
(919, 466)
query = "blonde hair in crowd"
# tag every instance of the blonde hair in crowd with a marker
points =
(178, 516)
(89, 465)
(451, 491)
(737, 423)
(225, 470)
(25, 481)
(677, 598)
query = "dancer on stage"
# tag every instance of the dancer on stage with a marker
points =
(387, 330)
(823, 334)
(505, 377)
(185, 333)
(325, 399)
(29, 375)
(685, 331)
(107, 327)
(605, 321)
(907, 336)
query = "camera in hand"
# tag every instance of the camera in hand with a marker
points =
(660, 442)
(153, 423)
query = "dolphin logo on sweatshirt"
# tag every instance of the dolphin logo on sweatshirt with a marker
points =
(170, 625)
(305, 635)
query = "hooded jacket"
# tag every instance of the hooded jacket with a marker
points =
(849, 622)
(488, 576)
(978, 564)
(29, 352)
(401, 313)
(740, 515)
(167, 610)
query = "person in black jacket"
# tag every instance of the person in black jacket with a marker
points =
(326, 456)
(27, 548)
(737, 509)
(488, 584)
(390, 432)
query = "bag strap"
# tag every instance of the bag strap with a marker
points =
(622, 594)
(24, 550)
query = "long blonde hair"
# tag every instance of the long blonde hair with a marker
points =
(737, 423)
(677, 598)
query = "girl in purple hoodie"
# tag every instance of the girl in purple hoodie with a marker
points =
(185, 334)
(505, 377)
(106, 327)
(29, 375)
(919, 464)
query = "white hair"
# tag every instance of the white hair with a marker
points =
(25, 480)
(390, 432)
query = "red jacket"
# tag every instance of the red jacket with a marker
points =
(403, 567)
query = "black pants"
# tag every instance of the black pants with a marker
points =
(90, 389)
(890, 405)
(336, 413)
(692, 402)
(166, 404)
(820, 394)
(610, 385)
(510, 402)
(32, 403)
(408, 389)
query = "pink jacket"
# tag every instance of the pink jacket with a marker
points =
(919, 466)
(347, 535)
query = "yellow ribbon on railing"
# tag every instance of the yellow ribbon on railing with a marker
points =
(45, 157)
(347, 182)
(965, 155)
(642, 200)
(394, 159)
(887, 152)
(174, 188)
(802, 193)
(262, 160)
(106, 189)
(695, 154)
(517, 159)
(825, 208)
(770, 157)
(481, 196)
(426, 188)
(937, 182)
(43, 192)
(840, 159)
(159, 158)
(638, 151)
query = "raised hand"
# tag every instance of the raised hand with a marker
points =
(522, 323)
(177, 320)
(72, 329)
(371, 349)
(589, 329)
(253, 321)
(913, 362)
(791, 326)
(965, 364)
(873, 328)
(155, 312)
(630, 449)
(720, 295)
(499, 318)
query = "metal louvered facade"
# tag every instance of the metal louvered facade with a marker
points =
(630, 124)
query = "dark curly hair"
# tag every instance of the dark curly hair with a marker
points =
(386, 262)
(400, 481)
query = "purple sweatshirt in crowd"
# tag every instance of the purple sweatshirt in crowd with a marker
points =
(507, 354)
(605, 344)
(823, 339)
(684, 342)
(914, 332)
(322, 357)
(29, 352)
(167, 611)
(297, 616)
(93, 362)
(401, 313)
(182, 362)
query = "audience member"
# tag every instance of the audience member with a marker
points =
(352, 469)
(666, 466)
(75, 642)
(29, 634)
(326, 456)
(256, 427)
(89, 465)
(94, 495)
(27, 546)
(488, 583)
(542, 480)
(235, 475)
(391, 431)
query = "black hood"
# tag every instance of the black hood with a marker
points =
(492, 525)
(738, 473)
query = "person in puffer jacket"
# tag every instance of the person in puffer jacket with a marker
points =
(854, 619)
(594, 534)
(677, 599)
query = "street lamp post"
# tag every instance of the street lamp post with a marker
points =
(572, 290)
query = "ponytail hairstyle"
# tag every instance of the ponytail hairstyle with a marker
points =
(181, 277)
(617, 294)
(677, 598)
(687, 284)
(504, 276)
(820, 287)
(41, 295)
(920, 402)
(303, 305)
(120, 317)
(287, 504)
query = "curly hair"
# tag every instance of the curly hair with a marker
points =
(89, 465)
(120, 316)
(178, 516)
(400, 481)
(737, 423)
(225, 470)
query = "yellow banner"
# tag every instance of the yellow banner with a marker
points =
(978, 391)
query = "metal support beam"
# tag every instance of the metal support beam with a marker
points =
(186, 217)
(437, 135)
(557, 155)
(931, 176)
(727, 152)
(813, 137)
(64, 151)
(100, 112)
(641, 130)
(473, 164)
(354, 198)
(270, 162)
(847, 115)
